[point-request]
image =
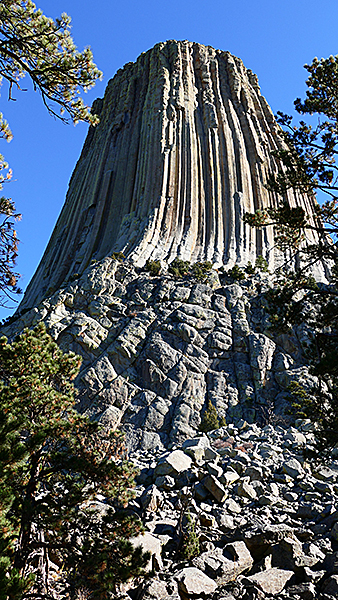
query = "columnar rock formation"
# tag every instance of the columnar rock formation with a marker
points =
(182, 150)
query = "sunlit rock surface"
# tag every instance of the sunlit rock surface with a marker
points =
(182, 151)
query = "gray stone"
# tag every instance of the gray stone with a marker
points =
(232, 506)
(215, 470)
(173, 463)
(193, 582)
(272, 581)
(227, 565)
(111, 417)
(165, 482)
(230, 477)
(151, 544)
(293, 468)
(254, 472)
(151, 499)
(330, 586)
(200, 492)
(157, 590)
(303, 591)
(215, 488)
(245, 490)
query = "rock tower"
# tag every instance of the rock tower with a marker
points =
(182, 150)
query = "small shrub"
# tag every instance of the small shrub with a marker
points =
(190, 543)
(200, 270)
(222, 422)
(237, 273)
(262, 264)
(153, 267)
(74, 276)
(118, 256)
(179, 268)
(210, 419)
(250, 269)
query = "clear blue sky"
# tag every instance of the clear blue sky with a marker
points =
(274, 38)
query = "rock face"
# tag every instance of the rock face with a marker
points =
(182, 150)
(156, 350)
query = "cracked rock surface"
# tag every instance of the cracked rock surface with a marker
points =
(157, 349)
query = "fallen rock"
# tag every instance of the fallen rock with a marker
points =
(150, 543)
(151, 499)
(215, 488)
(173, 463)
(293, 468)
(272, 581)
(195, 583)
(330, 586)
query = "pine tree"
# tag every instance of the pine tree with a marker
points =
(34, 45)
(308, 164)
(63, 482)
(210, 419)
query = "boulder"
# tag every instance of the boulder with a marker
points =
(330, 586)
(151, 499)
(194, 582)
(293, 468)
(272, 581)
(215, 488)
(173, 463)
(149, 543)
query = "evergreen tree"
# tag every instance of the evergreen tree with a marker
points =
(35, 45)
(63, 482)
(210, 419)
(308, 164)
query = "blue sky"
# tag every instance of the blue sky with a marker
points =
(273, 38)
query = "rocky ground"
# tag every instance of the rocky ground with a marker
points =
(266, 519)
(156, 350)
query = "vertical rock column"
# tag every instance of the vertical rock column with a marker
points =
(182, 150)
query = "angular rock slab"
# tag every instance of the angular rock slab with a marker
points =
(193, 582)
(150, 543)
(173, 463)
(272, 581)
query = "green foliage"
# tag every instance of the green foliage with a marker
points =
(262, 264)
(307, 164)
(34, 45)
(179, 268)
(222, 422)
(153, 267)
(237, 273)
(74, 276)
(250, 269)
(182, 268)
(316, 404)
(119, 256)
(8, 245)
(54, 465)
(210, 419)
(190, 547)
(200, 270)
